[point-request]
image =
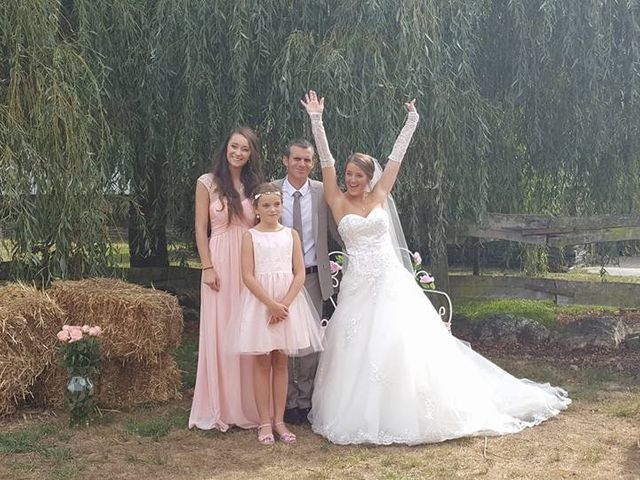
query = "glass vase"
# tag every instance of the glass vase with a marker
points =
(79, 397)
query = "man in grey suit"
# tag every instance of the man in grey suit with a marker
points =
(306, 211)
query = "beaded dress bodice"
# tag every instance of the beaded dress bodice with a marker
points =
(368, 243)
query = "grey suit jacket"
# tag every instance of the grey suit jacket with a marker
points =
(321, 225)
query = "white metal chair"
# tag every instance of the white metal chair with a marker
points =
(445, 311)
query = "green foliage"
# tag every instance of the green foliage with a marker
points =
(527, 106)
(52, 136)
(536, 260)
(81, 357)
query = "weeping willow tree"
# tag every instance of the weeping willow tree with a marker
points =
(120, 38)
(52, 139)
(564, 77)
(527, 106)
(368, 61)
(252, 62)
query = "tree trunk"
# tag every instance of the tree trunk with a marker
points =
(476, 257)
(148, 218)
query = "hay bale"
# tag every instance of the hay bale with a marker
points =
(119, 385)
(133, 384)
(48, 388)
(137, 322)
(29, 321)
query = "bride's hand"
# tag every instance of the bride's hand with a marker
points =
(411, 106)
(311, 102)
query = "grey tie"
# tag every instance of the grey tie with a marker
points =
(297, 216)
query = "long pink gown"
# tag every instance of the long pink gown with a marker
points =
(224, 392)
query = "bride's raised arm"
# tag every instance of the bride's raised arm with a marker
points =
(391, 169)
(314, 108)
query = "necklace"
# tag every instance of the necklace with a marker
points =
(363, 205)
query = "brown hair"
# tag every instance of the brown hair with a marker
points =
(250, 176)
(262, 189)
(364, 162)
(300, 143)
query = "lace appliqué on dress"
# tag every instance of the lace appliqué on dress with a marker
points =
(352, 329)
(208, 181)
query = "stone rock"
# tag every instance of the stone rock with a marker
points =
(507, 328)
(600, 332)
(461, 326)
(633, 342)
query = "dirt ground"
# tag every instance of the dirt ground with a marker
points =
(597, 438)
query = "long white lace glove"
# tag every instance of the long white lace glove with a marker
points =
(403, 140)
(320, 137)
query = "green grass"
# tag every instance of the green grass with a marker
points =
(26, 441)
(626, 409)
(158, 427)
(572, 276)
(180, 255)
(59, 454)
(545, 312)
(66, 472)
(137, 460)
(41, 440)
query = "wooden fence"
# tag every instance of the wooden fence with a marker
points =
(623, 295)
(556, 231)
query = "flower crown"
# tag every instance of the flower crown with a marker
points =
(258, 195)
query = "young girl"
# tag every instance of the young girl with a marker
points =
(277, 318)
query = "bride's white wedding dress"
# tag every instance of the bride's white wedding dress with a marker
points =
(392, 373)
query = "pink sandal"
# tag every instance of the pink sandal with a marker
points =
(286, 437)
(267, 439)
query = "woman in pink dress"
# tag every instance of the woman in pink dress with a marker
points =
(224, 393)
(277, 317)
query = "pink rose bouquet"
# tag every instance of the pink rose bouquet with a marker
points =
(80, 348)
(80, 356)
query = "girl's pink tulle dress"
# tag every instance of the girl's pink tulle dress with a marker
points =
(300, 333)
(224, 393)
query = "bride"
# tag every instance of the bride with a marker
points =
(391, 372)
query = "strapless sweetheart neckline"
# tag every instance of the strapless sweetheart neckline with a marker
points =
(358, 215)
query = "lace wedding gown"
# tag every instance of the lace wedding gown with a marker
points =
(392, 373)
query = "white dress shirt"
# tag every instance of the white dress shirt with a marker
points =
(306, 212)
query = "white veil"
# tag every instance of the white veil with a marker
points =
(395, 227)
